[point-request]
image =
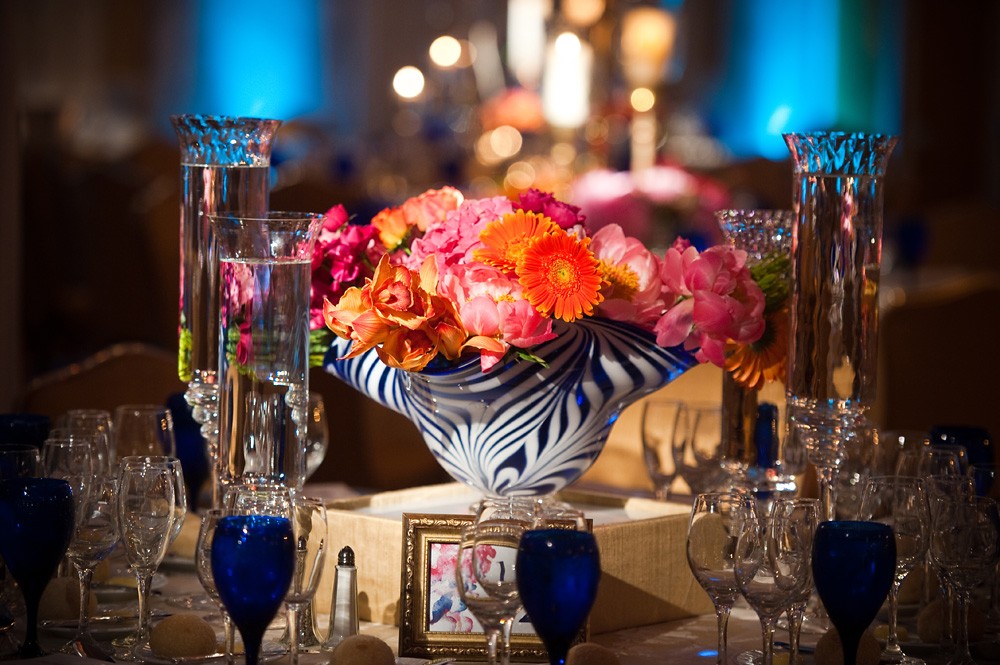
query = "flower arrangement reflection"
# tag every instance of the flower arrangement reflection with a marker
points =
(440, 277)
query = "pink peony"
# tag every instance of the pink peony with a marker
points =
(640, 302)
(451, 241)
(565, 215)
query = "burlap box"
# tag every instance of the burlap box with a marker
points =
(645, 579)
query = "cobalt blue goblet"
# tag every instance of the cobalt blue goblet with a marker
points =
(853, 566)
(253, 558)
(557, 575)
(36, 525)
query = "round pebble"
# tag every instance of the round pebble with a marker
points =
(589, 653)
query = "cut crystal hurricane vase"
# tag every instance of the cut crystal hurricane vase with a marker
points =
(522, 428)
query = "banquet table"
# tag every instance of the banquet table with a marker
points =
(687, 641)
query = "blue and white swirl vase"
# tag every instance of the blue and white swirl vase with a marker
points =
(522, 429)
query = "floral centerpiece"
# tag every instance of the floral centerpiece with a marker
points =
(440, 281)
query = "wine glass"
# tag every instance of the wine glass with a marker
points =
(36, 525)
(176, 470)
(928, 461)
(317, 434)
(203, 567)
(965, 543)
(19, 460)
(70, 457)
(94, 537)
(95, 423)
(143, 429)
(146, 515)
(660, 419)
(986, 480)
(717, 520)
(698, 447)
(309, 529)
(900, 502)
(853, 565)
(558, 571)
(801, 515)
(253, 561)
(891, 444)
(772, 567)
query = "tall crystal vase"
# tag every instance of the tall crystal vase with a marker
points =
(836, 257)
(263, 354)
(225, 165)
(759, 463)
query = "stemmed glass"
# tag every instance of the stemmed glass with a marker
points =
(717, 521)
(800, 516)
(36, 525)
(660, 419)
(986, 480)
(309, 529)
(253, 562)
(143, 429)
(901, 503)
(772, 567)
(965, 544)
(203, 567)
(558, 571)
(95, 423)
(70, 457)
(146, 516)
(853, 566)
(698, 447)
(486, 577)
(95, 536)
(892, 444)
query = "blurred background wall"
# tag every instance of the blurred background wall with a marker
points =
(89, 164)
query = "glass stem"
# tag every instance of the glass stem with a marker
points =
(827, 477)
(492, 635)
(767, 636)
(892, 653)
(293, 637)
(229, 637)
(86, 575)
(795, 615)
(144, 579)
(948, 614)
(505, 626)
(962, 654)
(722, 619)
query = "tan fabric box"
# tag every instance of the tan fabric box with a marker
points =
(645, 580)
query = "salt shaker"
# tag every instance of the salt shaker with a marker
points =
(344, 608)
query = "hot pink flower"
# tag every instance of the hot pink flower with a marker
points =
(344, 255)
(563, 214)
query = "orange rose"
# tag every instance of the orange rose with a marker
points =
(431, 207)
(408, 350)
(392, 227)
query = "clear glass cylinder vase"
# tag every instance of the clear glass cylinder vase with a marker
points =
(263, 352)
(836, 259)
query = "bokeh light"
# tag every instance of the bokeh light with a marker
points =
(445, 51)
(408, 82)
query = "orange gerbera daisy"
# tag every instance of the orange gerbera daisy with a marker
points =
(560, 276)
(753, 365)
(622, 280)
(505, 239)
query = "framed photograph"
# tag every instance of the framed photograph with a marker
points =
(433, 622)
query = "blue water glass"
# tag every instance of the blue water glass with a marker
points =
(853, 566)
(36, 525)
(558, 571)
(30, 428)
(253, 558)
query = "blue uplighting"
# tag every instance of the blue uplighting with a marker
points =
(708, 653)
(801, 66)
(259, 58)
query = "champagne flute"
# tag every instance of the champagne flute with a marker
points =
(253, 562)
(660, 419)
(309, 530)
(772, 567)
(36, 526)
(717, 520)
(900, 502)
(143, 429)
(146, 515)
(558, 571)
(853, 565)
(95, 536)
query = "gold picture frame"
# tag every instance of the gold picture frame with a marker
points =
(422, 632)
